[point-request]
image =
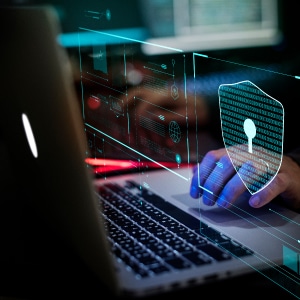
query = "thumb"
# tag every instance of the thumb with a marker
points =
(267, 194)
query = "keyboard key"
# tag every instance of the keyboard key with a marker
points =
(151, 236)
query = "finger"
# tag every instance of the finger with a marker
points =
(221, 174)
(201, 170)
(195, 192)
(209, 163)
(273, 189)
(197, 184)
(231, 192)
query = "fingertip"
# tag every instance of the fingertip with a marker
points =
(222, 202)
(194, 192)
(207, 201)
(255, 202)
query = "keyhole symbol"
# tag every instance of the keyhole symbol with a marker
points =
(250, 130)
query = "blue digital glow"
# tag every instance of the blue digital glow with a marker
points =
(291, 259)
(252, 130)
(88, 38)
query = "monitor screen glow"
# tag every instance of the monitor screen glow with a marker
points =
(205, 25)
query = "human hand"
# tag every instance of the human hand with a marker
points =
(226, 189)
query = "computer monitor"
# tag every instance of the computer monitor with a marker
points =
(205, 25)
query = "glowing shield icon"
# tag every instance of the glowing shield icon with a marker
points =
(252, 129)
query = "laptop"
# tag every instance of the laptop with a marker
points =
(140, 232)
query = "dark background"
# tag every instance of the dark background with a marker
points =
(36, 264)
(285, 54)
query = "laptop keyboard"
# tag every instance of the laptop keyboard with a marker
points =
(153, 236)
